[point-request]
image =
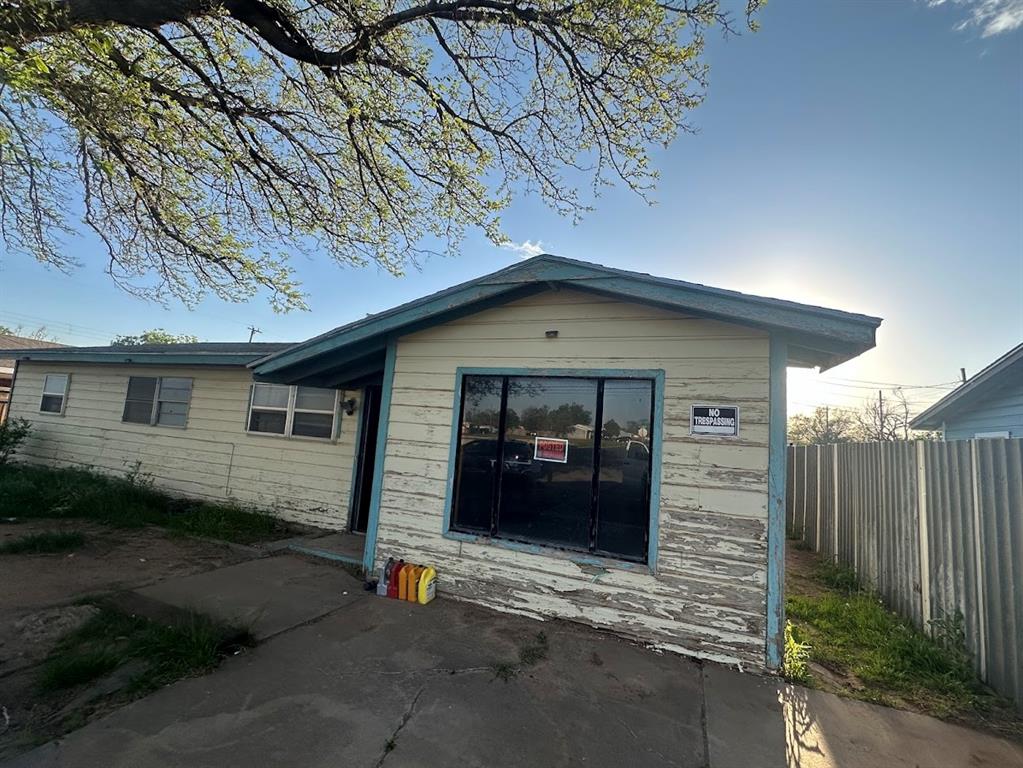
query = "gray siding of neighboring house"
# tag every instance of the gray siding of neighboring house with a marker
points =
(999, 412)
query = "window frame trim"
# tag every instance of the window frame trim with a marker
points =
(43, 393)
(583, 558)
(154, 411)
(289, 414)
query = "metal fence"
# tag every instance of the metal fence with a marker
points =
(935, 527)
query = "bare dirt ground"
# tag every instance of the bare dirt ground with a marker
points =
(41, 595)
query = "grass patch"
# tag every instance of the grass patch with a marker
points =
(128, 502)
(878, 656)
(797, 654)
(43, 543)
(530, 654)
(111, 638)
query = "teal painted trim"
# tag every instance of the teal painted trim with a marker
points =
(843, 333)
(776, 506)
(655, 475)
(326, 555)
(120, 358)
(370, 550)
(355, 455)
(655, 471)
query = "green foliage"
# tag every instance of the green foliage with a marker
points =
(69, 670)
(43, 543)
(210, 143)
(825, 425)
(795, 657)
(154, 336)
(111, 638)
(852, 633)
(34, 492)
(837, 577)
(13, 432)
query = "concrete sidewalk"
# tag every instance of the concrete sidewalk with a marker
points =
(375, 682)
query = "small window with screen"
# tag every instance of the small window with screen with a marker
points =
(55, 387)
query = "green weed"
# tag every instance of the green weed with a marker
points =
(43, 543)
(796, 656)
(111, 638)
(127, 502)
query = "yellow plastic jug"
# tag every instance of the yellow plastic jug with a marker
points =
(427, 585)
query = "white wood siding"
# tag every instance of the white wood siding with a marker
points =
(708, 596)
(302, 480)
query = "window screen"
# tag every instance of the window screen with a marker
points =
(155, 400)
(280, 409)
(55, 386)
(563, 461)
(138, 404)
(314, 412)
(269, 411)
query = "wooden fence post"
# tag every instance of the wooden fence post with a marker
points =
(834, 480)
(978, 555)
(817, 495)
(923, 532)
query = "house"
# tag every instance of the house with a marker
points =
(11, 342)
(437, 430)
(990, 404)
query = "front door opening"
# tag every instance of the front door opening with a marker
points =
(366, 458)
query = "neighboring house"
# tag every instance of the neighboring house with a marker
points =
(10, 342)
(990, 404)
(386, 426)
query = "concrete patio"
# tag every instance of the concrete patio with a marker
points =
(349, 679)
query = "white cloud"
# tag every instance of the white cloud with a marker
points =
(525, 249)
(992, 17)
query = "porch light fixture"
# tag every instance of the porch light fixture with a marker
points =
(349, 406)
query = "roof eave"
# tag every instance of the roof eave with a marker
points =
(836, 335)
(138, 358)
(959, 398)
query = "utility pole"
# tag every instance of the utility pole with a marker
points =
(253, 330)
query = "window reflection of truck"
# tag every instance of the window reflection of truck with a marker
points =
(481, 455)
(636, 465)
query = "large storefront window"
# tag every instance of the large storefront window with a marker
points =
(534, 466)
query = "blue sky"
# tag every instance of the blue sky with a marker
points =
(861, 155)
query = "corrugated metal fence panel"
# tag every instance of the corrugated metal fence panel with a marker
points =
(999, 477)
(790, 484)
(899, 540)
(810, 511)
(866, 512)
(953, 559)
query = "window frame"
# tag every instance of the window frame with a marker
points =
(154, 411)
(63, 397)
(289, 414)
(449, 530)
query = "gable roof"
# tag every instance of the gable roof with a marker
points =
(816, 335)
(204, 353)
(1008, 368)
(9, 342)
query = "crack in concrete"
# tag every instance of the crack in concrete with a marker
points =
(405, 717)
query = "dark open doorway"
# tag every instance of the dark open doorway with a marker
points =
(366, 458)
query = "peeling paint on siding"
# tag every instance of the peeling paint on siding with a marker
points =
(708, 595)
(304, 481)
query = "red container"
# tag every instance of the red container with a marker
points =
(392, 581)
